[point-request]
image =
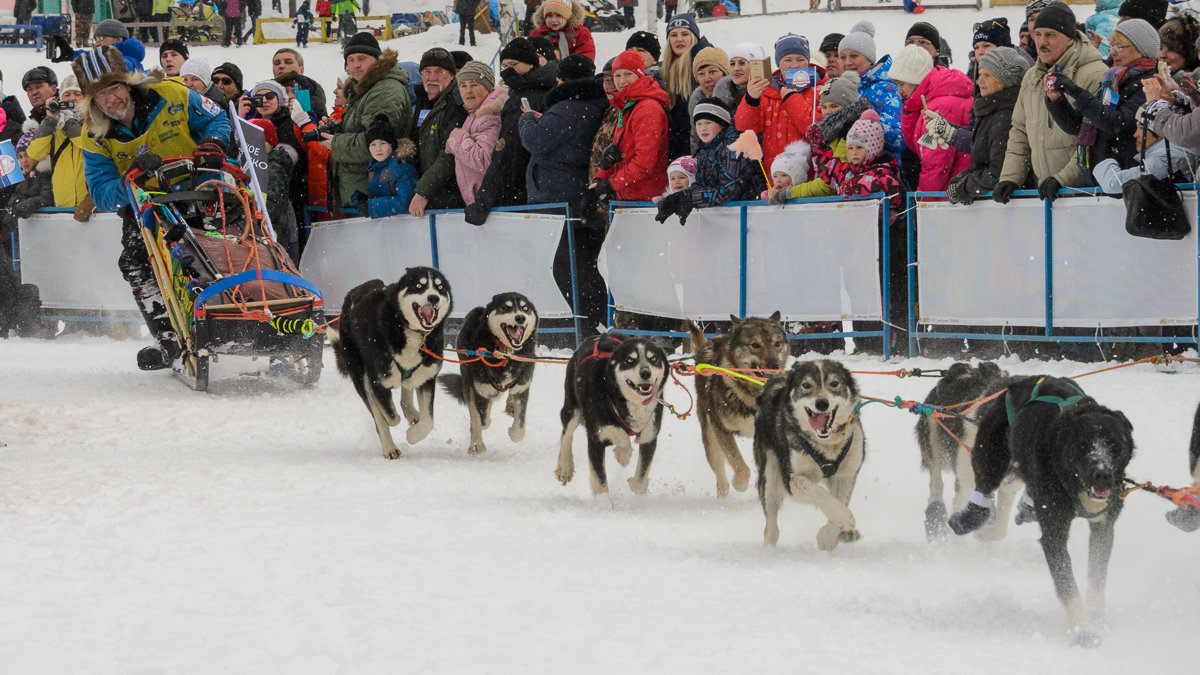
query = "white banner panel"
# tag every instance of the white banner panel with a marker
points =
(981, 264)
(342, 254)
(513, 252)
(668, 270)
(814, 262)
(1105, 276)
(73, 264)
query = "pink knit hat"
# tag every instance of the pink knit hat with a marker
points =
(867, 133)
(685, 164)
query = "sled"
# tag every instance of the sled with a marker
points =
(229, 288)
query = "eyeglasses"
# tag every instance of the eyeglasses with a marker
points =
(108, 92)
(222, 80)
(919, 41)
(1113, 47)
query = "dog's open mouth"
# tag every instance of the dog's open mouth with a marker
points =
(821, 423)
(515, 333)
(1100, 493)
(647, 389)
(426, 314)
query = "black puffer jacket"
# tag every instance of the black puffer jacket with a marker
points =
(991, 118)
(504, 182)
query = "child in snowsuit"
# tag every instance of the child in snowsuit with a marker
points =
(681, 173)
(391, 175)
(303, 23)
(790, 168)
(722, 176)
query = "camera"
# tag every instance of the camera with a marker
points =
(256, 102)
(328, 127)
(56, 105)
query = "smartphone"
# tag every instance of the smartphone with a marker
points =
(525, 103)
(760, 68)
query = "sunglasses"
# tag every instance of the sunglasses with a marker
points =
(268, 95)
(222, 80)
(984, 25)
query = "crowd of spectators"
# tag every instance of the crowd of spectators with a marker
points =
(1063, 105)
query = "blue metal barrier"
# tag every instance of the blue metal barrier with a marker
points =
(1048, 334)
(19, 28)
(885, 217)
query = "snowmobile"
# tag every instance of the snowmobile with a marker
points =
(228, 286)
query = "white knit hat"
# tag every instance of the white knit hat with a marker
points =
(748, 51)
(911, 65)
(198, 66)
(793, 161)
(685, 165)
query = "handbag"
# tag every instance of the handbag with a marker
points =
(1153, 207)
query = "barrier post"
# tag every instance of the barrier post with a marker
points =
(911, 272)
(742, 264)
(574, 276)
(433, 240)
(1049, 225)
(886, 253)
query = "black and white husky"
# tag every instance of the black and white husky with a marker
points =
(614, 388)
(809, 445)
(508, 324)
(1072, 453)
(379, 343)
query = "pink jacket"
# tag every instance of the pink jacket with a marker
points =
(473, 142)
(948, 92)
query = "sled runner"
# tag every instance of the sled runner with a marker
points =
(228, 286)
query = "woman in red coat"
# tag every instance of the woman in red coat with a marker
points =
(776, 111)
(561, 21)
(634, 167)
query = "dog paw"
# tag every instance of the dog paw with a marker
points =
(623, 453)
(850, 536)
(394, 453)
(1088, 637)
(516, 434)
(638, 486)
(417, 432)
(829, 536)
(722, 490)
(564, 474)
(598, 488)
(741, 480)
(477, 448)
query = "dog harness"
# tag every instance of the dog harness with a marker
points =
(1035, 398)
(596, 353)
(828, 467)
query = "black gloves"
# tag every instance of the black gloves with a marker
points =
(675, 203)
(1064, 84)
(958, 194)
(1049, 189)
(1003, 191)
(604, 190)
(476, 214)
(209, 155)
(609, 157)
(148, 162)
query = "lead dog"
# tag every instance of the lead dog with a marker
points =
(508, 324)
(614, 388)
(809, 445)
(725, 406)
(1072, 453)
(378, 346)
(940, 451)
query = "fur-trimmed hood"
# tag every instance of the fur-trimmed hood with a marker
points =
(578, 14)
(837, 125)
(382, 67)
(405, 149)
(493, 103)
(98, 124)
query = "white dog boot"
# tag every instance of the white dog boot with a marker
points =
(975, 515)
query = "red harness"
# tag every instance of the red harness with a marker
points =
(597, 354)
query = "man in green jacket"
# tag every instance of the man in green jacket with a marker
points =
(439, 110)
(377, 86)
(1035, 140)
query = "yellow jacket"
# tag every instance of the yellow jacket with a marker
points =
(67, 181)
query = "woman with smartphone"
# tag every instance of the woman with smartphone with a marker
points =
(780, 107)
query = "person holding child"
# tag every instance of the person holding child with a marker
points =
(722, 175)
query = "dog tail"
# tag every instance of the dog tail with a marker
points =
(698, 339)
(452, 384)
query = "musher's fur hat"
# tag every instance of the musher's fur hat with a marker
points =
(100, 68)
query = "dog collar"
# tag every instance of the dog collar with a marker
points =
(1081, 510)
(828, 467)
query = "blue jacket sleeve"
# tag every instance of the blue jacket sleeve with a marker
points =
(207, 120)
(103, 182)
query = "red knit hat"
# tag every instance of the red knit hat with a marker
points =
(268, 131)
(630, 60)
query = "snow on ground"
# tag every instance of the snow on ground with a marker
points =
(146, 528)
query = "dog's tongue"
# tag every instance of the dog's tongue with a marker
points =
(819, 422)
(653, 395)
(1101, 493)
(426, 312)
(516, 334)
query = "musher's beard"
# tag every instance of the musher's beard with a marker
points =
(119, 115)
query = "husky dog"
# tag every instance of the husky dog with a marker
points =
(379, 343)
(960, 384)
(807, 433)
(614, 388)
(1187, 518)
(508, 324)
(1072, 453)
(725, 406)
